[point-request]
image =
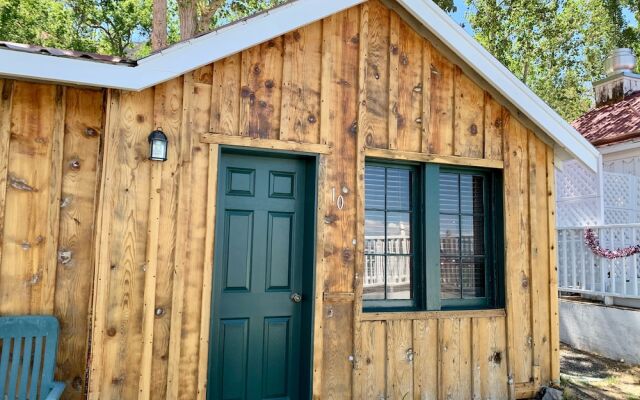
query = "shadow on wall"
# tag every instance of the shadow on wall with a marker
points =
(609, 331)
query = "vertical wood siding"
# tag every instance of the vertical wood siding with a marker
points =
(120, 248)
(50, 142)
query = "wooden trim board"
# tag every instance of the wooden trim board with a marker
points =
(432, 158)
(269, 144)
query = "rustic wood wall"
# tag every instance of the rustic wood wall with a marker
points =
(120, 248)
(50, 141)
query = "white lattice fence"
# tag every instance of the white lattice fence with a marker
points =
(578, 197)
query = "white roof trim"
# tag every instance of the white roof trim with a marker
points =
(175, 60)
(192, 54)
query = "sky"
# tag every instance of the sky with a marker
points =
(459, 16)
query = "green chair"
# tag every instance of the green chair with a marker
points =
(28, 358)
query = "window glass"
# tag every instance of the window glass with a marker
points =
(389, 253)
(462, 238)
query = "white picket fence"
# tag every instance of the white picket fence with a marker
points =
(581, 271)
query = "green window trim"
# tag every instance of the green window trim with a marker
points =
(425, 239)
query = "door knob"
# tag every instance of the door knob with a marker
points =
(296, 297)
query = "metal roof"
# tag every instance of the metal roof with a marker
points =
(614, 123)
(50, 51)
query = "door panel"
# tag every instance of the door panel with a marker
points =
(256, 326)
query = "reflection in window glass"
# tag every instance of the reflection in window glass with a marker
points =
(388, 233)
(462, 239)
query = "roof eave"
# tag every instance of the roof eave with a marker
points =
(195, 53)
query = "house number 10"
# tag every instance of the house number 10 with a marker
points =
(339, 202)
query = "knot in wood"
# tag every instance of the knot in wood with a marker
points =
(404, 59)
(20, 184)
(75, 164)
(312, 119)
(498, 123)
(25, 245)
(269, 84)
(64, 256)
(111, 331)
(353, 128)
(355, 39)
(496, 357)
(159, 312)
(76, 383)
(369, 139)
(296, 36)
(256, 69)
(394, 49)
(245, 92)
(434, 70)
(90, 132)
(418, 88)
(473, 129)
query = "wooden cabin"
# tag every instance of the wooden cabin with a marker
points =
(357, 202)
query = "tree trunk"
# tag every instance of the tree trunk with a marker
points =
(159, 25)
(188, 14)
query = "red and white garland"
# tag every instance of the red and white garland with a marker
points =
(592, 242)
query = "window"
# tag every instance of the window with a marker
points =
(390, 222)
(433, 237)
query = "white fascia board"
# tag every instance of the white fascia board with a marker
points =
(470, 51)
(175, 60)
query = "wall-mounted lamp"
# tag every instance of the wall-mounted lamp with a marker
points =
(158, 144)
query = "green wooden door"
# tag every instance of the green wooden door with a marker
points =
(256, 344)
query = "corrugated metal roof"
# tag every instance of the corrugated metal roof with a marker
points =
(28, 48)
(613, 123)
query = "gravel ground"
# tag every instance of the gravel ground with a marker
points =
(587, 376)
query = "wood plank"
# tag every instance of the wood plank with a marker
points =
(489, 366)
(207, 278)
(183, 213)
(150, 270)
(261, 90)
(52, 230)
(410, 90)
(376, 79)
(337, 349)
(440, 134)
(449, 359)
(425, 315)
(469, 117)
(272, 144)
(430, 158)
(517, 223)
(400, 359)
(127, 245)
(74, 276)
(339, 121)
(301, 85)
(225, 96)
(394, 62)
(318, 304)
(370, 381)
(194, 262)
(554, 320)
(101, 245)
(358, 340)
(426, 97)
(168, 117)
(27, 202)
(540, 294)
(6, 96)
(425, 359)
(495, 119)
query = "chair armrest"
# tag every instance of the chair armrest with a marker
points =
(56, 391)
